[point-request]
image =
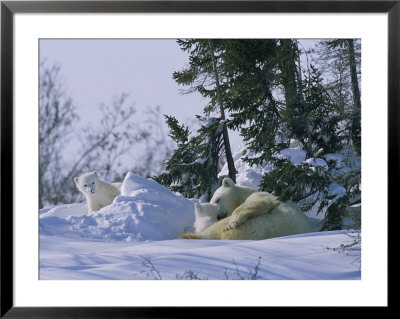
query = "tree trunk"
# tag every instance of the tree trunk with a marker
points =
(288, 69)
(292, 85)
(356, 116)
(228, 152)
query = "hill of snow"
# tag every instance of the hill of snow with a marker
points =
(145, 210)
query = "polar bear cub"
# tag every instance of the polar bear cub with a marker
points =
(98, 193)
(206, 214)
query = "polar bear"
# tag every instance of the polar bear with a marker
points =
(98, 193)
(206, 214)
(229, 196)
(251, 202)
(284, 220)
(251, 215)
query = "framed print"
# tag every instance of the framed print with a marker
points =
(160, 156)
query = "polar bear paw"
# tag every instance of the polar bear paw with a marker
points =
(233, 223)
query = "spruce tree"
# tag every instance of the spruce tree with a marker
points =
(278, 107)
(193, 167)
(248, 67)
(339, 60)
(310, 183)
(356, 114)
(228, 152)
(203, 76)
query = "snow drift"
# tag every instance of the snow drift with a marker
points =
(145, 210)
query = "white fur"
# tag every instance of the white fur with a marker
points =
(251, 215)
(98, 193)
(284, 220)
(229, 196)
(206, 214)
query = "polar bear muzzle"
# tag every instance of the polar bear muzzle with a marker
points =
(91, 188)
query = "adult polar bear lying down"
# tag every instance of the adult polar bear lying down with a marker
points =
(251, 215)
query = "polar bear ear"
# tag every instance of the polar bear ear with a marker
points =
(227, 182)
(95, 173)
(76, 179)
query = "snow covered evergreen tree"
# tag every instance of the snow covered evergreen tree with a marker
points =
(341, 57)
(193, 167)
(314, 127)
(204, 76)
(281, 108)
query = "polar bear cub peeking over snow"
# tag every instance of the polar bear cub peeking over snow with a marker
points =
(206, 214)
(98, 193)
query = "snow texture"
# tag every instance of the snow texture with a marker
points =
(300, 257)
(295, 156)
(145, 210)
(250, 176)
(317, 162)
(136, 238)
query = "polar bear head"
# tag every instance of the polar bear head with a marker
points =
(206, 214)
(87, 183)
(229, 196)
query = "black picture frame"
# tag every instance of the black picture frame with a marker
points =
(9, 8)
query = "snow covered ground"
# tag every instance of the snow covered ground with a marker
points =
(137, 238)
(306, 257)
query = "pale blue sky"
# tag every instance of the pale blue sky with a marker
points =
(96, 70)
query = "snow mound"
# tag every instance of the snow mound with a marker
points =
(250, 176)
(145, 210)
